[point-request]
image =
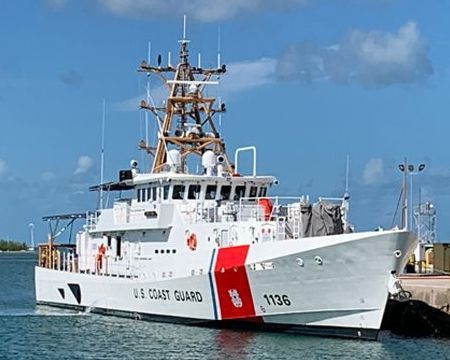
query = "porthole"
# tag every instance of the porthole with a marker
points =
(397, 253)
(318, 260)
(156, 251)
(300, 262)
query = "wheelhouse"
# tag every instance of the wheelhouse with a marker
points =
(185, 189)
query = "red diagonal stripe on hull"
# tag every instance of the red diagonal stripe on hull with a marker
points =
(233, 288)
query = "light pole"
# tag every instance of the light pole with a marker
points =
(408, 169)
(411, 173)
(404, 169)
(31, 226)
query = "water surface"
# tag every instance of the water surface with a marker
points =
(30, 332)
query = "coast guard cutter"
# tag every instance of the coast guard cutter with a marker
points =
(196, 242)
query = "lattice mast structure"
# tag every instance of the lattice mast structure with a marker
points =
(425, 219)
(187, 118)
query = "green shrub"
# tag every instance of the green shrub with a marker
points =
(7, 245)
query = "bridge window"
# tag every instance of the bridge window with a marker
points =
(139, 195)
(193, 192)
(210, 193)
(239, 192)
(149, 193)
(225, 192)
(178, 192)
(144, 195)
(154, 193)
(118, 246)
(262, 191)
(253, 191)
(166, 189)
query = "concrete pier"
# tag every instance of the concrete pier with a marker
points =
(431, 289)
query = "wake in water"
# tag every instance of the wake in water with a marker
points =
(42, 310)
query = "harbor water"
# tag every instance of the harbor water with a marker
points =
(28, 331)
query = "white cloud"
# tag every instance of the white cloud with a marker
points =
(245, 75)
(240, 76)
(202, 10)
(131, 104)
(84, 164)
(48, 175)
(57, 4)
(158, 94)
(373, 172)
(372, 59)
(3, 167)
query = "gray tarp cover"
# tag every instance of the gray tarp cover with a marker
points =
(320, 219)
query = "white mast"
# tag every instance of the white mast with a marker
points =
(102, 154)
(219, 60)
(149, 53)
(347, 170)
(346, 200)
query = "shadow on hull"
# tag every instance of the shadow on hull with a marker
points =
(254, 324)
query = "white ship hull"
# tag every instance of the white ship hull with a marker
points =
(333, 285)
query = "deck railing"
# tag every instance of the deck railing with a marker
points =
(284, 213)
(58, 257)
(64, 258)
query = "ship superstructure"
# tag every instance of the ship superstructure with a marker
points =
(211, 246)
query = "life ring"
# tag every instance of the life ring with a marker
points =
(192, 242)
(267, 206)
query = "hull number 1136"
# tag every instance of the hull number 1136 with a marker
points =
(277, 300)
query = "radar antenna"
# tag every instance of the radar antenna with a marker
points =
(186, 121)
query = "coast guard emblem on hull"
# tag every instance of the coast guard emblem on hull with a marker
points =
(235, 298)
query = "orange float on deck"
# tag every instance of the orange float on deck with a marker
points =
(99, 257)
(267, 207)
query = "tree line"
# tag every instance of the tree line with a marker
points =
(8, 245)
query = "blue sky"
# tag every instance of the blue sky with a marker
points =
(309, 82)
